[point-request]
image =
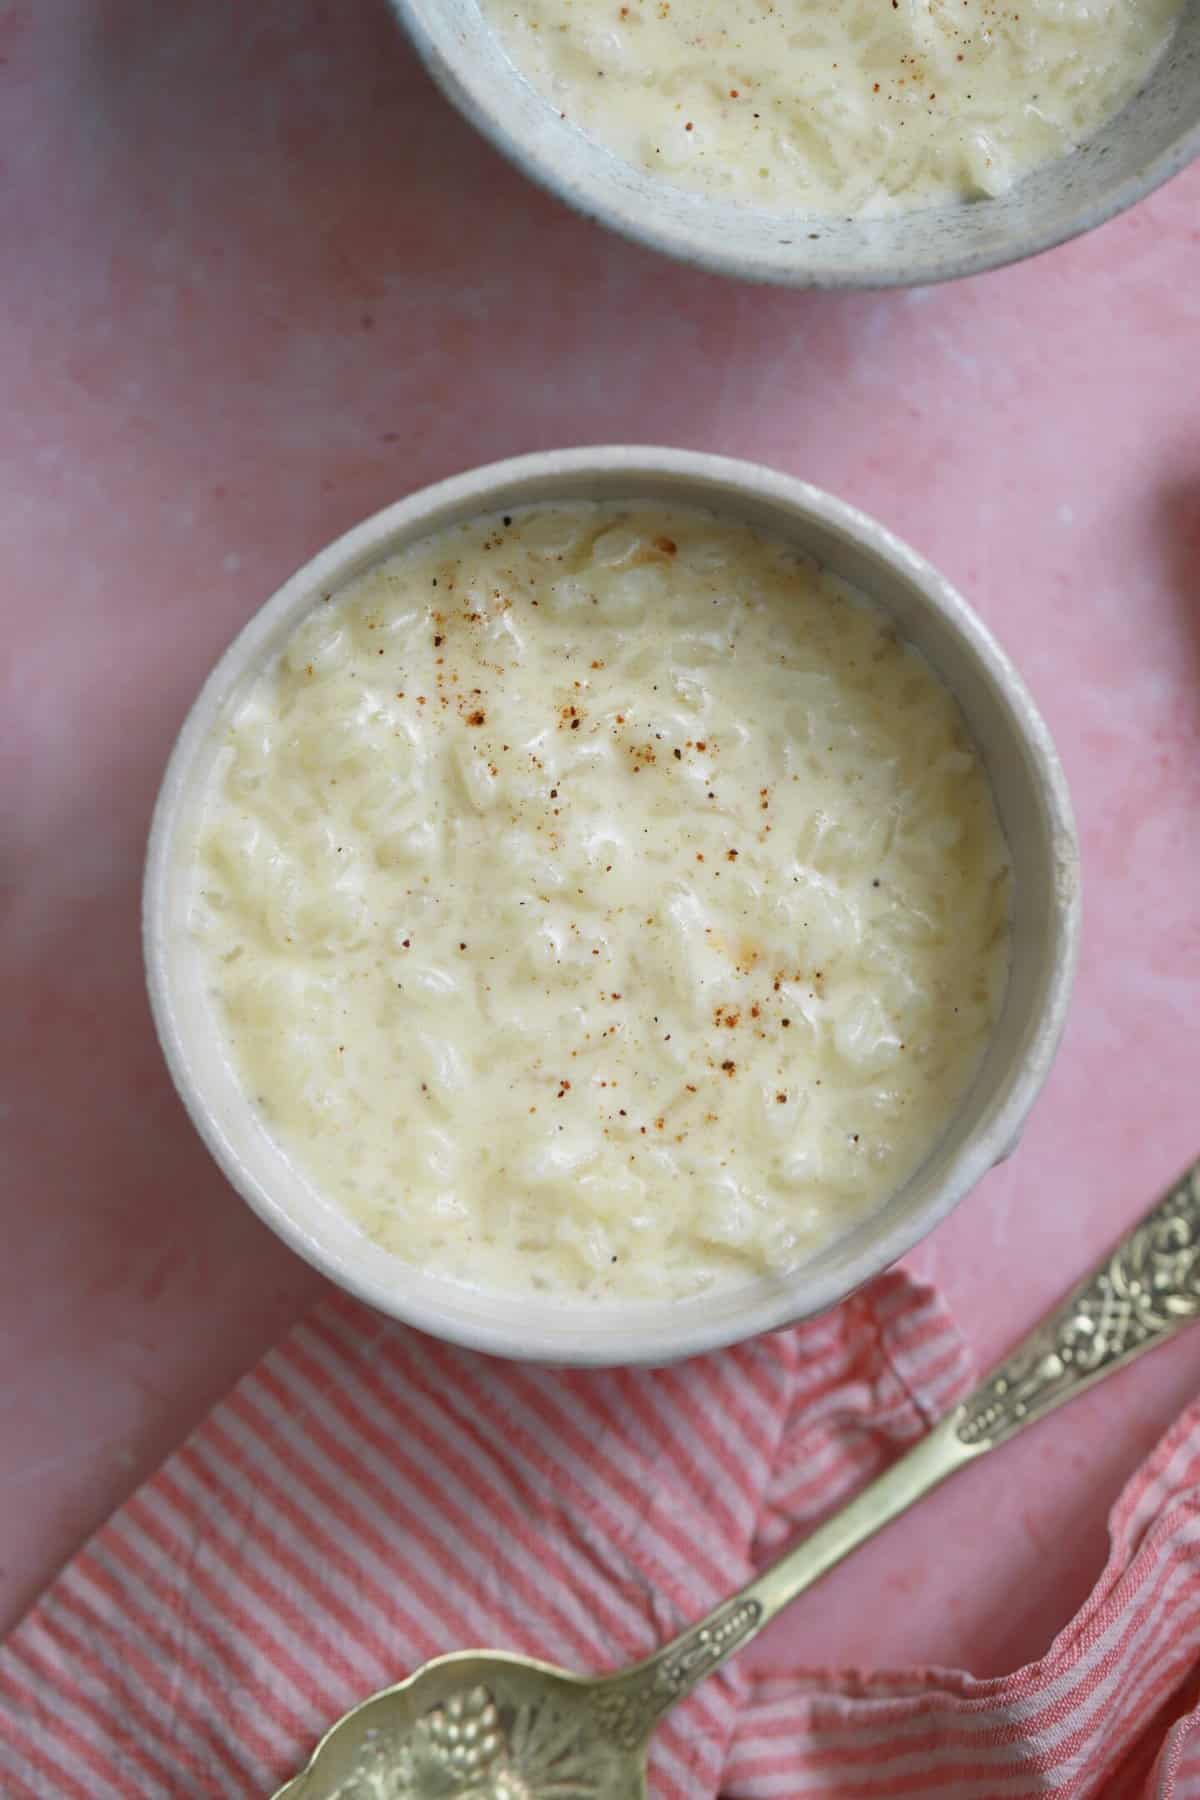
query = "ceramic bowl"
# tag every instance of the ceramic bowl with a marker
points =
(1034, 811)
(1149, 141)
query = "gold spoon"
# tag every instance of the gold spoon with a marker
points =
(483, 1725)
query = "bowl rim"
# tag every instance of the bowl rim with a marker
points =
(603, 205)
(721, 483)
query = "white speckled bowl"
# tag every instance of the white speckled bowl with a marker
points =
(1151, 139)
(1034, 810)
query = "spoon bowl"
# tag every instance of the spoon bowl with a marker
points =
(478, 1725)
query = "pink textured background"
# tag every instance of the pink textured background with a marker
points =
(257, 281)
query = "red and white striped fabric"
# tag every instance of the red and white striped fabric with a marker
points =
(366, 1498)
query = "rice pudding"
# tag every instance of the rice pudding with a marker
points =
(601, 899)
(851, 107)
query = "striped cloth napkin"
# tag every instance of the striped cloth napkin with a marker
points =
(366, 1498)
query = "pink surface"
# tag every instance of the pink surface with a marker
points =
(258, 281)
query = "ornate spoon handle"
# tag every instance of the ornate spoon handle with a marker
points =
(1146, 1289)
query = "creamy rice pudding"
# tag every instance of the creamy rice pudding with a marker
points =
(845, 107)
(601, 899)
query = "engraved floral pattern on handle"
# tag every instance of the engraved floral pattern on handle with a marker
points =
(628, 1709)
(1147, 1288)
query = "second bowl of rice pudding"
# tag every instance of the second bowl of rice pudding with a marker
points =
(843, 144)
(610, 904)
